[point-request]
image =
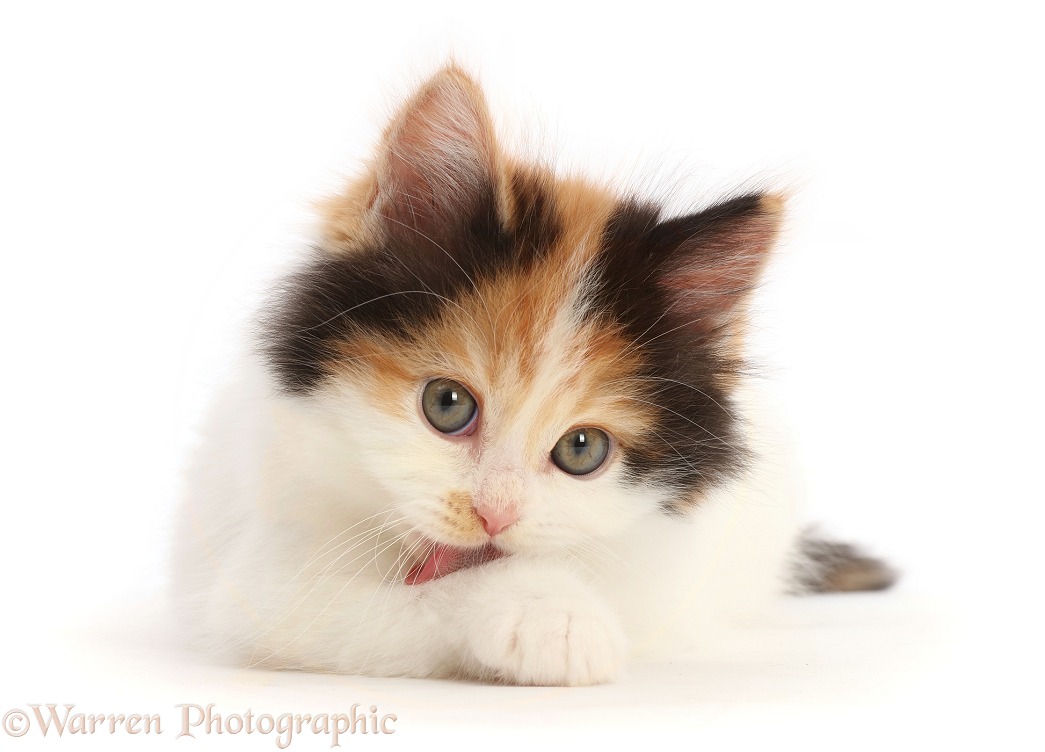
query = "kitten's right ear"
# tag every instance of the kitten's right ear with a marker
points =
(434, 173)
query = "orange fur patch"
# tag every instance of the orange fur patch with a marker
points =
(461, 518)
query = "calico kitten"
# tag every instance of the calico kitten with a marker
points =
(497, 427)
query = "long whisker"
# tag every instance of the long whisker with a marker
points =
(374, 300)
(324, 550)
(640, 380)
(317, 580)
(390, 587)
(710, 433)
(325, 608)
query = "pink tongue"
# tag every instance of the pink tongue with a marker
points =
(445, 559)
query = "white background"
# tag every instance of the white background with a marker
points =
(156, 166)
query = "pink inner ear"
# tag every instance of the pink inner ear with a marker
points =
(713, 288)
(718, 266)
(438, 156)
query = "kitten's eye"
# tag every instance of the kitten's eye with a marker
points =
(449, 407)
(581, 451)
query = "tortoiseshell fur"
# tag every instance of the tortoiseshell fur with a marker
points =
(558, 304)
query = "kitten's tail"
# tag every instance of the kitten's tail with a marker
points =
(826, 566)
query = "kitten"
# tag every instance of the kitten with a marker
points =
(498, 427)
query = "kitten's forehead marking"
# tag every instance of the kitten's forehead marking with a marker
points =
(523, 339)
(528, 406)
(545, 368)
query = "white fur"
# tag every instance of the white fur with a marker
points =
(301, 518)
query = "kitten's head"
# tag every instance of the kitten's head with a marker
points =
(519, 357)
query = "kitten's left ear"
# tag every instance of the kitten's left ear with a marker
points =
(716, 257)
(435, 171)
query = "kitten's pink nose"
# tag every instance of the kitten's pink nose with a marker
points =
(496, 520)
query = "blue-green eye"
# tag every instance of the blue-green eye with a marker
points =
(581, 451)
(449, 407)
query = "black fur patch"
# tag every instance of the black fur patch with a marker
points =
(394, 288)
(696, 443)
(537, 223)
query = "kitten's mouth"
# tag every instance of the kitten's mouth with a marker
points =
(442, 560)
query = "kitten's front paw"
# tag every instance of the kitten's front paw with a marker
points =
(551, 640)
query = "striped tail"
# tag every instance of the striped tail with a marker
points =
(826, 566)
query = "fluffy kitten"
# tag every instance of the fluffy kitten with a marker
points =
(497, 427)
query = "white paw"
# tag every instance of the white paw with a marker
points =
(549, 640)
